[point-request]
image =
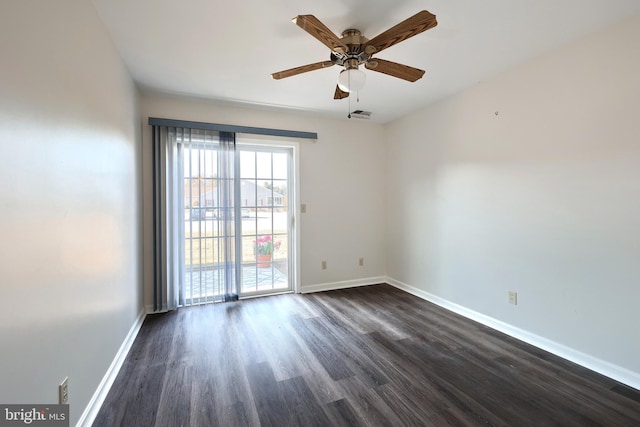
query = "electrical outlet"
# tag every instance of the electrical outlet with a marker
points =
(63, 391)
(324, 265)
(303, 208)
(361, 262)
(513, 298)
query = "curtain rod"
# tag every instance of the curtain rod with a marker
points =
(154, 121)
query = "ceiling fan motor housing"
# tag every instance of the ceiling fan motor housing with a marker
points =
(355, 55)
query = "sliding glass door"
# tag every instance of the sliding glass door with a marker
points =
(266, 219)
(237, 220)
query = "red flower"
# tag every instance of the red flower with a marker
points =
(265, 245)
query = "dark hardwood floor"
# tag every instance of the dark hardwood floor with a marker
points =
(366, 356)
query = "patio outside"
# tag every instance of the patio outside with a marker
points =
(204, 260)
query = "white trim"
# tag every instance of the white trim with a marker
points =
(343, 285)
(296, 218)
(90, 412)
(600, 366)
(292, 148)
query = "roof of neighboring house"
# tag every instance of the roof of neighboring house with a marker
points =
(248, 189)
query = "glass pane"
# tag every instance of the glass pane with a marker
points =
(249, 224)
(263, 166)
(248, 193)
(264, 221)
(263, 193)
(280, 168)
(280, 222)
(267, 193)
(247, 165)
(209, 192)
(279, 193)
(248, 248)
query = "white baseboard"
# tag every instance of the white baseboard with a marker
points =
(600, 366)
(90, 412)
(342, 285)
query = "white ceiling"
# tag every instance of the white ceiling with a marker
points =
(226, 50)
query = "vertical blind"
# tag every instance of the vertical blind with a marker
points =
(193, 179)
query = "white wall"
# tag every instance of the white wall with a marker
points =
(341, 181)
(542, 199)
(70, 205)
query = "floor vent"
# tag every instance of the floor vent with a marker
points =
(360, 114)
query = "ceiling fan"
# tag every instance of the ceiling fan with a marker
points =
(352, 49)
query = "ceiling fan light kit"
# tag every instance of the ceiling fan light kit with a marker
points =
(352, 49)
(351, 80)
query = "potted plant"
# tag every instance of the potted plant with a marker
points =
(264, 250)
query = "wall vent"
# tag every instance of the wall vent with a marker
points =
(360, 114)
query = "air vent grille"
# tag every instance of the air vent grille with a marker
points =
(361, 114)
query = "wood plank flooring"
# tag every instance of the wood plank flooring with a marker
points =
(370, 356)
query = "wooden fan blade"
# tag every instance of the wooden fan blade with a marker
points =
(418, 23)
(394, 69)
(340, 94)
(303, 69)
(317, 29)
